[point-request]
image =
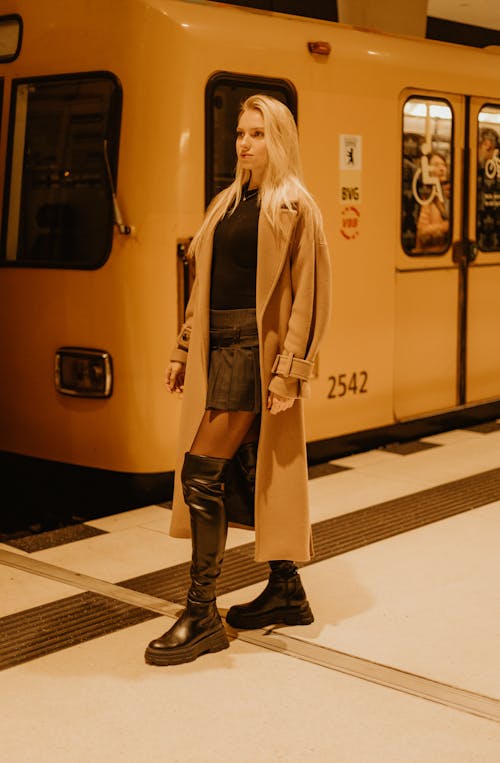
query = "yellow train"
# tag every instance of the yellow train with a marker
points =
(117, 124)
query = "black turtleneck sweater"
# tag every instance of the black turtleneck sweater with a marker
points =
(234, 258)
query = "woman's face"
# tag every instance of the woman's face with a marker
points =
(251, 145)
(438, 167)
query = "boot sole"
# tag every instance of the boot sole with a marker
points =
(283, 616)
(215, 642)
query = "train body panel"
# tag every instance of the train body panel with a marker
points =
(405, 340)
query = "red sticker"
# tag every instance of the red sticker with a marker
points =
(350, 222)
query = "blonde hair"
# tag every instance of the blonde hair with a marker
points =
(282, 186)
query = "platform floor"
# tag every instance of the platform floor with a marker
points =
(401, 664)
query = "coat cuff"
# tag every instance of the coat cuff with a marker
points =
(180, 351)
(290, 387)
(178, 355)
(289, 366)
(183, 338)
(291, 376)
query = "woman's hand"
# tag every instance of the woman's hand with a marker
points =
(277, 403)
(174, 376)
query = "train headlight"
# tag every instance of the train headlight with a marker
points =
(83, 373)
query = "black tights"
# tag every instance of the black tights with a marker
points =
(221, 433)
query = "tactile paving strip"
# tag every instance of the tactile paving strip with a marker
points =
(64, 623)
(50, 627)
(407, 448)
(52, 538)
(485, 428)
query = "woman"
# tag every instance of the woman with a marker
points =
(259, 306)
(434, 219)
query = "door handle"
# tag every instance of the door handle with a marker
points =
(472, 251)
(464, 251)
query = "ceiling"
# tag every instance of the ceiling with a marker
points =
(485, 13)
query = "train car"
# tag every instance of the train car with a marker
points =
(117, 127)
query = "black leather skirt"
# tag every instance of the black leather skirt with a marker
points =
(234, 372)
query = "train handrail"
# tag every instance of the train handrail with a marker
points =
(124, 229)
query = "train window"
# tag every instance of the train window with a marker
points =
(11, 33)
(427, 176)
(58, 208)
(488, 179)
(223, 97)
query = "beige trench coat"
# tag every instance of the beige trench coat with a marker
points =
(292, 305)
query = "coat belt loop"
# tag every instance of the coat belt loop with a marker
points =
(288, 365)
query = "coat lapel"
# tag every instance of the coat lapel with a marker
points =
(271, 256)
(204, 273)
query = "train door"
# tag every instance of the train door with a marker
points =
(482, 373)
(428, 280)
(448, 264)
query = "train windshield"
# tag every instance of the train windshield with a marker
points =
(58, 209)
(488, 179)
(427, 193)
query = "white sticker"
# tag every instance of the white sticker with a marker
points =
(350, 152)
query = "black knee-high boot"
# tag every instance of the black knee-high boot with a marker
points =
(246, 456)
(240, 485)
(282, 602)
(199, 629)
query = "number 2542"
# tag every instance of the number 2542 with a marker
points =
(343, 384)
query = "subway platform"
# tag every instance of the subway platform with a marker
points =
(401, 664)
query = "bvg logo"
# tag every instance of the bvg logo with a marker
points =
(350, 194)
